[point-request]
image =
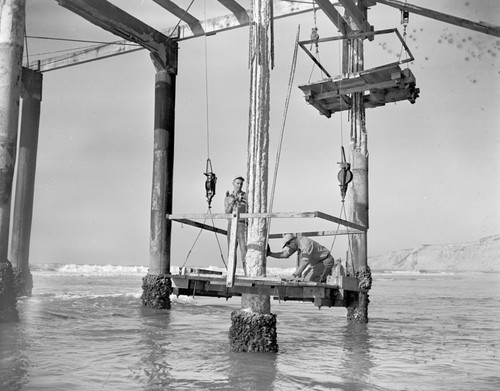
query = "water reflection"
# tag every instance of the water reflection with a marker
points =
(252, 371)
(153, 370)
(356, 359)
(14, 361)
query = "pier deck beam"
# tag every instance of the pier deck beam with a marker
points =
(157, 287)
(253, 328)
(25, 183)
(357, 198)
(12, 16)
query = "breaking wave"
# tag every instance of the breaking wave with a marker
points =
(88, 270)
(120, 270)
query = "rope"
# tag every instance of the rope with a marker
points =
(218, 243)
(315, 36)
(206, 83)
(192, 247)
(180, 19)
(342, 211)
(283, 122)
(26, 47)
(196, 240)
(81, 40)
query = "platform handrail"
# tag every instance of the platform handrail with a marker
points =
(314, 214)
(410, 57)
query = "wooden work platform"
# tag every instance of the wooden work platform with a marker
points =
(381, 85)
(337, 292)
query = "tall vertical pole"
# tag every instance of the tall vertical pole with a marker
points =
(357, 199)
(254, 327)
(12, 16)
(157, 287)
(25, 183)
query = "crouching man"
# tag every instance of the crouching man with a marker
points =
(311, 254)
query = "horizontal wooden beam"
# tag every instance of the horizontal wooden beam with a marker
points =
(211, 26)
(193, 23)
(442, 17)
(118, 22)
(201, 225)
(345, 223)
(357, 16)
(238, 11)
(273, 286)
(271, 236)
(215, 216)
(286, 215)
(317, 233)
(334, 16)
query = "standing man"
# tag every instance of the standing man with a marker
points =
(311, 254)
(237, 199)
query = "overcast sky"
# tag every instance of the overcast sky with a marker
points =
(434, 165)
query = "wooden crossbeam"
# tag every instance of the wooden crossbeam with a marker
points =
(357, 16)
(201, 225)
(317, 233)
(211, 26)
(118, 22)
(238, 11)
(334, 16)
(193, 23)
(274, 286)
(345, 223)
(480, 27)
(271, 236)
(314, 214)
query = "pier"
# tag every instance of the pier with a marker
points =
(354, 90)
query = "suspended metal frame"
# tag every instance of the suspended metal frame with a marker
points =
(381, 84)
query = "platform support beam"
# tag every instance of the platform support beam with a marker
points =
(12, 16)
(25, 183)
(156, 286)
(253, 328)
(357, 197)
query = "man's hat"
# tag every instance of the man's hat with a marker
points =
(287, 238)
(239, 177)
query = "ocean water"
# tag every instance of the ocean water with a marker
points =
(84, 328)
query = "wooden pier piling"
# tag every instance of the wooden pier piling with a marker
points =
(25, 182)
(12, 16)
(253, 328)
(357, 198)
(156, 285)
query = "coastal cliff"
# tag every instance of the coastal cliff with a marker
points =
(480, 256)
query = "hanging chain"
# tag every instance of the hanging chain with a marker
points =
(315, 39)
(405, 19)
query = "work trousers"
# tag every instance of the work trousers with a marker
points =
(241, 241)
(322, 269)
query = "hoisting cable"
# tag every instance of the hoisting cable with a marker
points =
(192, 247)
(211, 180)
(283, 122)
(180, 19)
(342, 211)
(345, 175)
(218, 244)
(405, 19)
(315, 38)
(26, 46)
(196, 240)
